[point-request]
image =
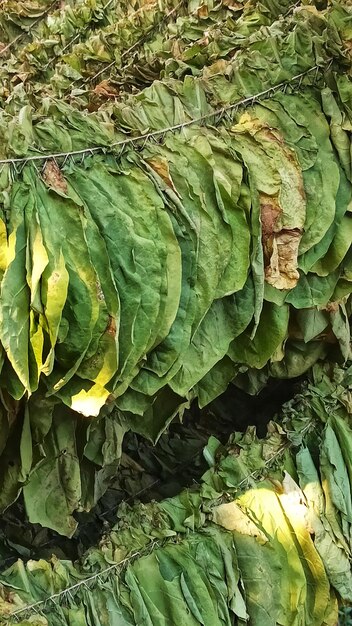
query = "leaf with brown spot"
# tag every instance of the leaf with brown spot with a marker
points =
(283, 213)
(203, 11)
(332, 307)
(161, 167)
(53, 177)
(219, 67)
(111, 327)
(9, 602)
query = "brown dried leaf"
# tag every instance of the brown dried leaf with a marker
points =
(282, 272)
(270, 211)
(53, 177)
(280, 246)
(176, 49)
(203, 11)
(105, 90)
(233, 5)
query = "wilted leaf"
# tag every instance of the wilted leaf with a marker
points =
(53, 177)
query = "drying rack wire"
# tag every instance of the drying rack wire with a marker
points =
(138, 142)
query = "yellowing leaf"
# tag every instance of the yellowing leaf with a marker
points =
(232, 517)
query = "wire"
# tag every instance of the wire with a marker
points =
(85, 582)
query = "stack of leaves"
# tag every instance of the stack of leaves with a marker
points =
(19, 19)
(133, 283)
(95, 52)
(276, 510)
(73, 42)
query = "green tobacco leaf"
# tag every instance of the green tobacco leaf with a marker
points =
(312, 322)
(313, 290)
(54, 490)
(340, 325)
(336, 475)
(337, 250)
(322, 179)
(150, 415)
(314, 258)
(138, 285)
(201, 556)
(15, 297)
(140, 273)
(299, 357)
(216, 381)
(225, 320)
(58, 215)
(270, 334)
(339, 135)
(335, 559)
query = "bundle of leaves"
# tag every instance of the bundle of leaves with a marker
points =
(264, 538)
(138, 280)
(125, 44)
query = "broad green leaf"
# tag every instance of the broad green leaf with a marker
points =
(225, 320)
(313, 290)
(15, 297)
(335, 559)
(337, 250)
(270, 334)
(311, 322)
(54, 490)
